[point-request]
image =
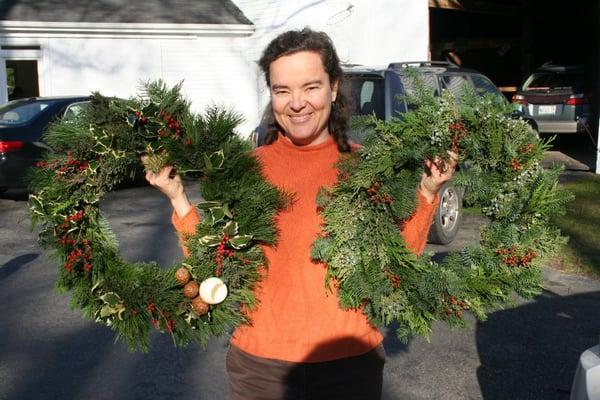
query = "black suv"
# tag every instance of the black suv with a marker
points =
(379, 91)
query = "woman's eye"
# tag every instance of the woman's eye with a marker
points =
(313, 87)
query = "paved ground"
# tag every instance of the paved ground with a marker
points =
(528, 351)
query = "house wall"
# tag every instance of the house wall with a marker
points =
(214, 70)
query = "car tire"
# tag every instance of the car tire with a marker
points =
(448, 215)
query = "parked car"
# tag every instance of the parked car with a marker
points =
(586, 383)
(558, 98)
(22, 123)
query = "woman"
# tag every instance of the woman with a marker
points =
(301, 344)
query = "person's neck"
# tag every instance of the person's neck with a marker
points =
(322, 138)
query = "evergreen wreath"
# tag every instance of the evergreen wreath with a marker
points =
(206, 293)
(366, 255)
(212, 289)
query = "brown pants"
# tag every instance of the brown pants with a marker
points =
(256, 378)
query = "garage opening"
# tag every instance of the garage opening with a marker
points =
(508, 39)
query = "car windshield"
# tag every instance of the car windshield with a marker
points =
(21, 111)
(555, 80)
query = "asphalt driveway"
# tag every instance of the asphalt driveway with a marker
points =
(528, 351)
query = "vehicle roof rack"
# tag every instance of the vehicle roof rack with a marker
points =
(404, 64)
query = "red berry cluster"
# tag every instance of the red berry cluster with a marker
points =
(515, 165)
(222, 252)
(169, 323)
(170, 125)
(527, 148)
(512, 259)
(80, 256)
(395, 279)
(74, 218)
(377, 198)
(141, 119)
(458, 131)
(453, 307)
(65, 226)
(72, 165)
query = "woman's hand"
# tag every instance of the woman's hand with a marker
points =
(172, 187)
(437, 172)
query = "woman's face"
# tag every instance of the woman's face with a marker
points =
(301, 97)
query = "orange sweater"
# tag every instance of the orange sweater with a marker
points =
(298, 319)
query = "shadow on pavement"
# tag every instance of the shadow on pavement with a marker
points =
(531, 351)
(575, 152)
(15, 194)
(13, 265)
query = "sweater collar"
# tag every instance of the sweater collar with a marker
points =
(285, 143)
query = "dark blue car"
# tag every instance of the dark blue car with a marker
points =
(22, 124)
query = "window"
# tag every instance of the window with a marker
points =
(453, 83)
(483, 85)
(74, 110)
(19, 112)
(408, 83)
(555, 80)
(366, 95)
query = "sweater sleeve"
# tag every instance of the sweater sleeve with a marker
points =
(185, 226)
(416, 228)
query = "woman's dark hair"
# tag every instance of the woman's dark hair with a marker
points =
(292, 42)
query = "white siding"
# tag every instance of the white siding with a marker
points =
(215, 71)
(114, 67)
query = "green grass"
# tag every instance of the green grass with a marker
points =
(581, 224)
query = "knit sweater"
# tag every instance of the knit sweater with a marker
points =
(298, 318)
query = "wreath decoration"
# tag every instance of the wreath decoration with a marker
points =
(212, 289)
(205, 294)
(503, 176)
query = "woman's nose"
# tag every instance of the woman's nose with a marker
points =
(298, 102)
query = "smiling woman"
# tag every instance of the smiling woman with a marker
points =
(298, 324)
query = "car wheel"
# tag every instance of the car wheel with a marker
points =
(446, 221)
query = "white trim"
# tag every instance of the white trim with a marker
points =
(21, 54)
(84, 29)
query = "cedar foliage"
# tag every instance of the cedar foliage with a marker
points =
(362, 245)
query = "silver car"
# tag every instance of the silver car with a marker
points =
(557, 97)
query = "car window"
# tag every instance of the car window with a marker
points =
(366, 95)
(20, 112)
(484, 86)
(454, 83)
(555, 80)
(74, 110)
(408, 81)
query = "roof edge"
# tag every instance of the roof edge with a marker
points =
(123, 29)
